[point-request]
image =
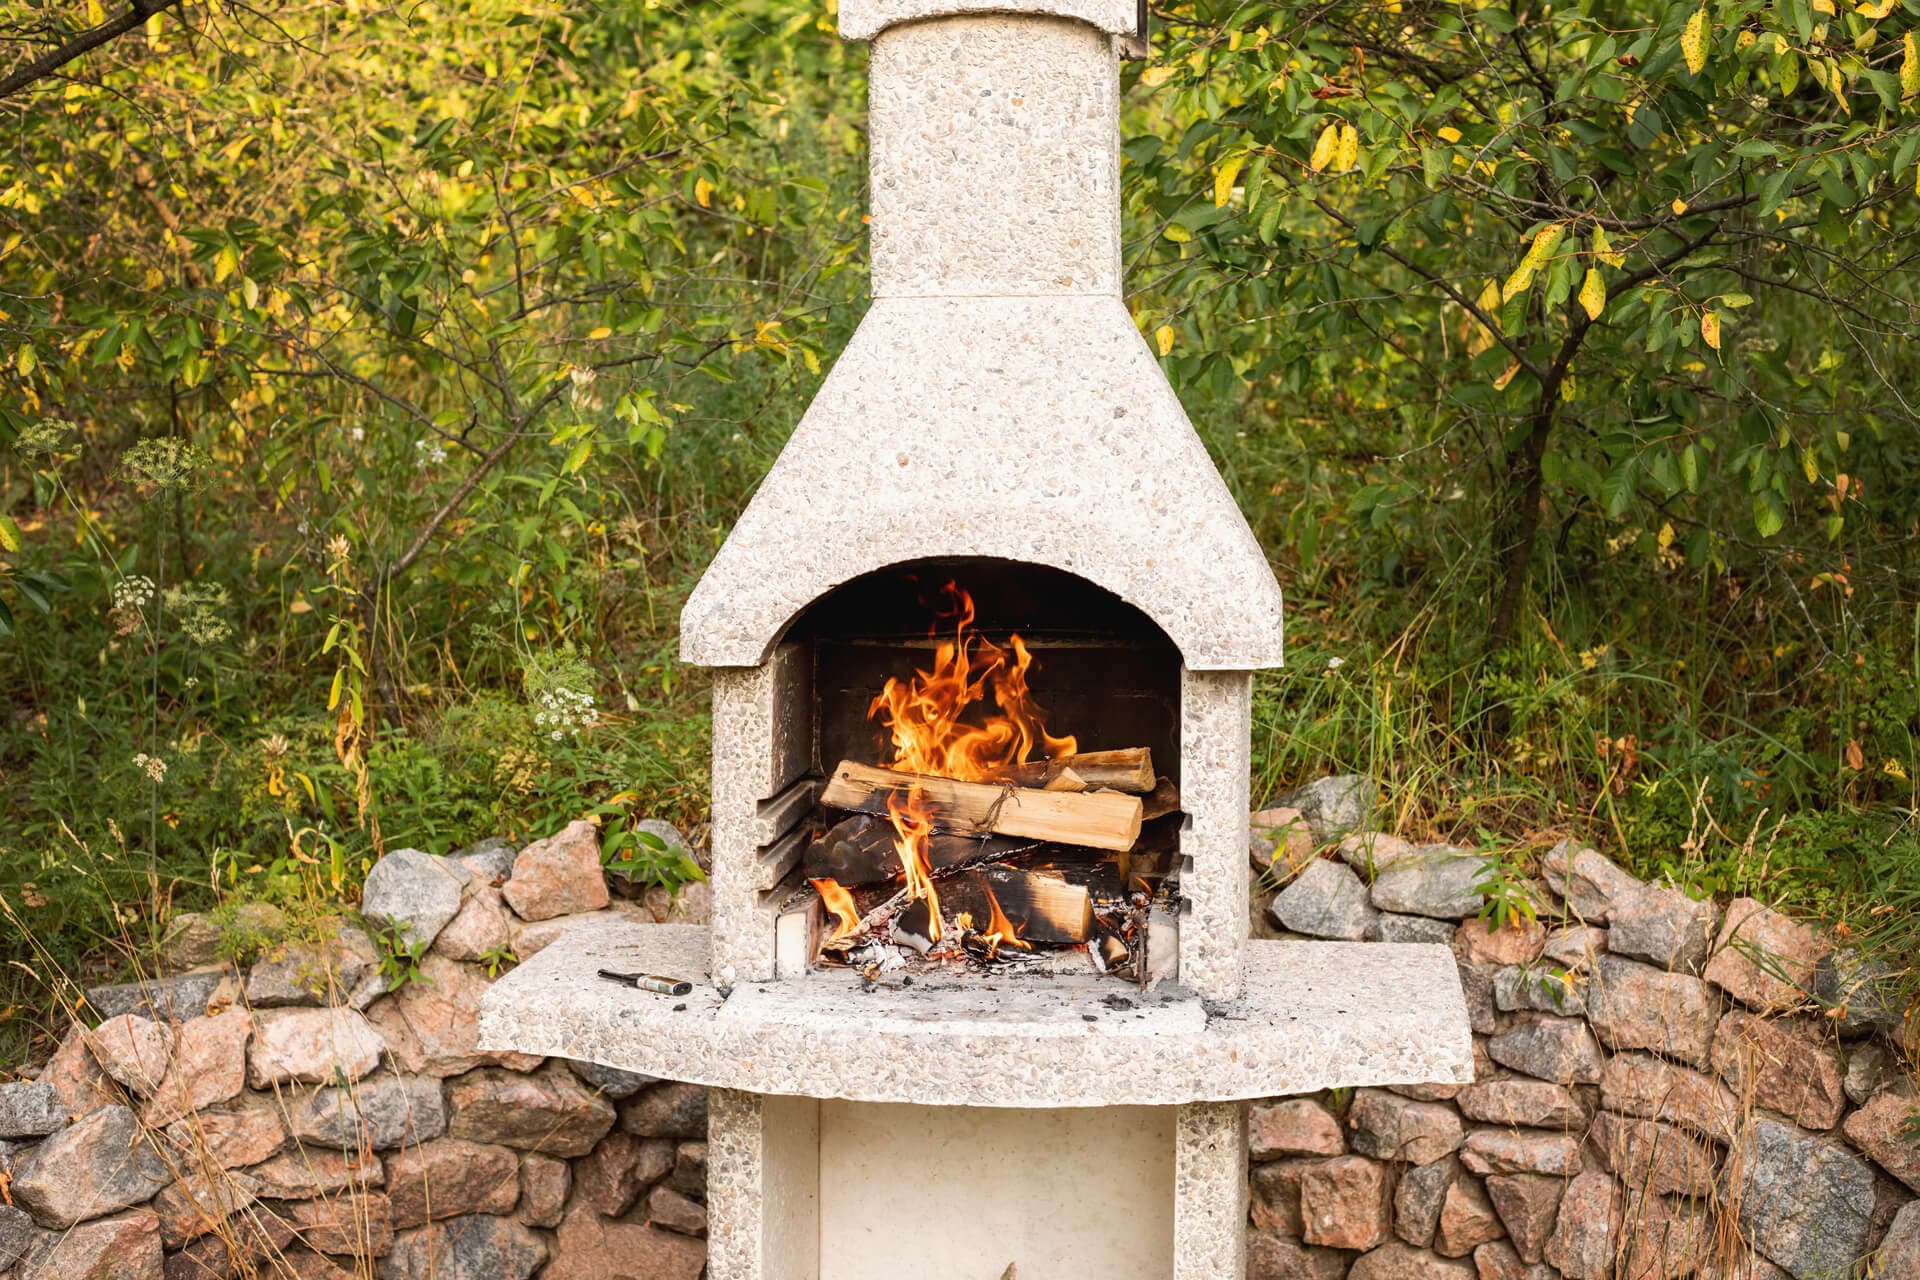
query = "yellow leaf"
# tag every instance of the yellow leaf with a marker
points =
(1223, 179)
(1710, 329)
(299, 606)
(1500, 383)
(9, 534)
(1909, 66)
(1545, 241)
(1593, 294)
(602, 332)
(1665, 537)
(1163, 338)
(703, 192)
(1810, 466)
(1177, 233)
(1693, 41)
(1325, 148)
(225, 263)
(1875, 12)
(1448, 133)
(1678, 206)
(1349, 157)
(95, 13)
(1519, 282)
(1603, 249)
(1824, 6)
(26, 360)
(1156, 75)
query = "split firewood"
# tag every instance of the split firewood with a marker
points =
(1042, 908)
(1162, 800)
(1096, 819)
(1128, 769)
(863, 850)
(1066, 780)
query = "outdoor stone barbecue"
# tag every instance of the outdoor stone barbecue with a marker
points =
(978, 988)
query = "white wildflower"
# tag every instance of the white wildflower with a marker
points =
(428, 453)
(153, 766)
(133, 593)
(1334, 664)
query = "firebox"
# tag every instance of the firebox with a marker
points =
(983, 646)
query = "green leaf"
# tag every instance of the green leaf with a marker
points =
(10, 539)
(1769, 516)
(1617, 490)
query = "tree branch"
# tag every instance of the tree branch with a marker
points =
(87, 41)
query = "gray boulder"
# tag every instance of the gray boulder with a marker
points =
(16, 1232)
(1662, 926)
(1861, 994)
(1326, 900)
(1587, 881)
(473, 1247)
(30, 1111)
(1385, 926)
(1333, 805)
(415, 893)
(1437, 881)
(1562, 1050)
(313, 973)
(490, 859)
(96, 1167)
(381, 1113)
(611, 1081)
(1805, 1203)
(174, 999)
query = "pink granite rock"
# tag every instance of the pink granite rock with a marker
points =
(1499, 1260)
(1528, 1205)
(1763, 959)
(133, 1050)
(83, 1087)
(559, 875)
(549, 1112)
(1636, 1006)
(307, 1173)
(360, 1223)
(473, 1247)
(1389, 1127)
(611, 1177)
(432, 1023)
(1636, 1084)
(232, 1135)
(1467, 1220)
(544, 1184)
(668, 1208)
(448, 1177)
(1538, 1104)
(1346, 1203)
(481, 928)
(1583, 1242)
(124, 1247)
(1281, 841)
(1398, 1261)
(589, 1247)
(1648, 1156)
(1782, 1066)
(1271, 1257)
(209, 1067)
(200, 1203)
(1293, 1127)
(1881, 1129)
(1519, 942)
(311, 1046)
(1486, 1151)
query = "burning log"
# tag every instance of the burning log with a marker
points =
(1042, 908)
(864, 849)
(1096, 819)
(1128, 769)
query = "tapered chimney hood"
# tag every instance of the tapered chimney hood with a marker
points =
(997, 400)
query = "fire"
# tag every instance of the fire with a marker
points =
(927, 714)
(1000, 931)
(840, 903)
(912, 824)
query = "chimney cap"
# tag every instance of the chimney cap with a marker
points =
(865, 19)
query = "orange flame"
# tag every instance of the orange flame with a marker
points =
(927, 714)
(1000, 931)
(912, 824)
(840, 903)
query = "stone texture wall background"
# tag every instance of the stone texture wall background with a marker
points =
(1665, 1090)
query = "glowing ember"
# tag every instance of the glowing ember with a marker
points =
(928, 715)
(840, 903)
(912, 824)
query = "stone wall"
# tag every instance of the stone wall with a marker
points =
(1664, 1090)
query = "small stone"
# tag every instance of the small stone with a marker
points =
(1583, 1242)
(308, 1174)
(1476, 988)
(1397, 1261)
(433, 1022)
(1528, 1205)
(1490, 1151)
(1763, 959)
(1518, 942)
(620, 1167)
(589, 1247)
(191, 940)
(1665, 1238)
(414, 894)
(1869, 1068)
(1858, 993)
(30, 1110)
(1280, 842)
(381, 1114)
(1587, 881)
(689, 1175)
(1538, 990)
(124, 1247)
(668, 1208)
(311, 1046)
(1426, 1092)
(1899, 1253)
(1346, 1203)
(1271, 1257)
(1418, 1199)
(16, 1232)
(490, 860)
(1293, 1127)
(1326, 900)
(549, 1112)
(98, 1166)
(253, 1243)
(1467, 1220)
(1636, 1006)
(1649, 1156)
(449, 1177)
(173, 999)
(1883, 1129)
(544, 1184)
(1575, 947)
(1371, 852)
(667, 1111)
(1662, 926)
(611, 1081)
(475, 1247)
(480, 929)
(133, 1050)
(360, 1224)
(1389, 1127)
(1561, 1050)
(209, 1067)
(1435, 880)
(1386, 926)
(558, 876)
(201, 1203)
(232, 1135)
(1537, 1104)
(1782, 1067)
(1635, 1084)
(1499, 1260)
(1805, 1203)
(1332, 806)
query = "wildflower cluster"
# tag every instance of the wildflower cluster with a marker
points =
(198, 608)
(564, 711)
(580, 389)
(428, 453)
(167, 464)
(153, 766)
(132, 594)
(46, 437)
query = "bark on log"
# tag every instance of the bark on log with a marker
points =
(1128, 769)
(1096, 819)
(861, 850)
(1043, 909)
